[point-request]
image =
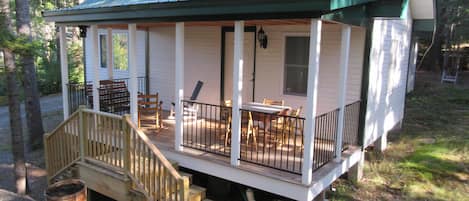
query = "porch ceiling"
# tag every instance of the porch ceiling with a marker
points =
(119, 11)
(146, 25)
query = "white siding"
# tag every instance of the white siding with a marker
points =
(270, 66)
(422, 9)
(202, 62)
(388, 73)
(103, 72)
(162, 48)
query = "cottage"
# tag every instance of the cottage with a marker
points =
(290, 93)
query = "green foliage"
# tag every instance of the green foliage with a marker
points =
(48, 70)
(428, 159)
(76, 66)
(44, 49)
(120, 51)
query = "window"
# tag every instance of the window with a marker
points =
(119, 51)
(103, 50)
(296, 65)
(2, 62)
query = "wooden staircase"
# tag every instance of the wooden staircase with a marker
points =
(114, 158)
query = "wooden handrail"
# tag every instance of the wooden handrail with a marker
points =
(153, 148)
(116, 142)
(48, 135)
(59, 147)
(105, 114)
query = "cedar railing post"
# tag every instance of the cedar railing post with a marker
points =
(126, 132)
(46, 156)
(184, 190)
(81, 129)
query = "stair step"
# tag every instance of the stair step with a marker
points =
(197, 193)
(136, 195)
(105, 170)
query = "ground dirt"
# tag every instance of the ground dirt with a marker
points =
(51, 107)
(428, 159)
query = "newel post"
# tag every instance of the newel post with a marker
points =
(82, 121)
(46, 155)
(126, 132)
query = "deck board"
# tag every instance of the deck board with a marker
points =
(164, 139)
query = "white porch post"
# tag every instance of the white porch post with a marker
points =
(109, 55)
(179, 93)
(133, 72)
(64, 70)
(237, 92)
(344, 63)
(95, 65)
(311, 100)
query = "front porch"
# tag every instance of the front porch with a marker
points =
(272, 147)
(281, 143)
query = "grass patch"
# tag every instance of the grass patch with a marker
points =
(428, 159)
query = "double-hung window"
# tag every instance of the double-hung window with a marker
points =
(296, 65)
(119, 51)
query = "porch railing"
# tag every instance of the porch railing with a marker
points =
(352, 113)
(205, 127)
(270, 140)
(81, 94)
(325, 138)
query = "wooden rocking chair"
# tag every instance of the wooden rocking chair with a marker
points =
(150, 109)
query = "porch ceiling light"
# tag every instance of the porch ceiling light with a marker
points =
(262, 38)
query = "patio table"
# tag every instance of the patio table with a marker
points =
(265, 113)
(263, 108)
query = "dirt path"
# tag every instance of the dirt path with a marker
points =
(51, 107)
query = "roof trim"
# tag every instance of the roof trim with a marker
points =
(190, 10)
(197, 10)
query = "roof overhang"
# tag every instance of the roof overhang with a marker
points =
(196, 10)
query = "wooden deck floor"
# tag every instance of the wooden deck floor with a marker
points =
(164, 139)
(271, 159)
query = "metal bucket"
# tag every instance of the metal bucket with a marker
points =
(67, 190)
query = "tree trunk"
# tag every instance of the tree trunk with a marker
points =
(31, 93)
(14, 105)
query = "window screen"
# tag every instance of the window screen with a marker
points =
(296, 65)
(103, 50)
(120, 51)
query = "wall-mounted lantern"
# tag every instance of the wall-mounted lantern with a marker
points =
(82, 31)
(262, 38)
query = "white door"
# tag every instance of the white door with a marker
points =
(248, 67)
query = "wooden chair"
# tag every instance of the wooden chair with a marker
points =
(189, 110)
(291, 125)
(225, 112)
(249, 131)
(150, 106)
(273, 102)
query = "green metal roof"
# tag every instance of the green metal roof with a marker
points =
(116, 11)
(88, 4)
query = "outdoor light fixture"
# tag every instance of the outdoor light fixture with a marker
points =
(82, 31)
(262, 38)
